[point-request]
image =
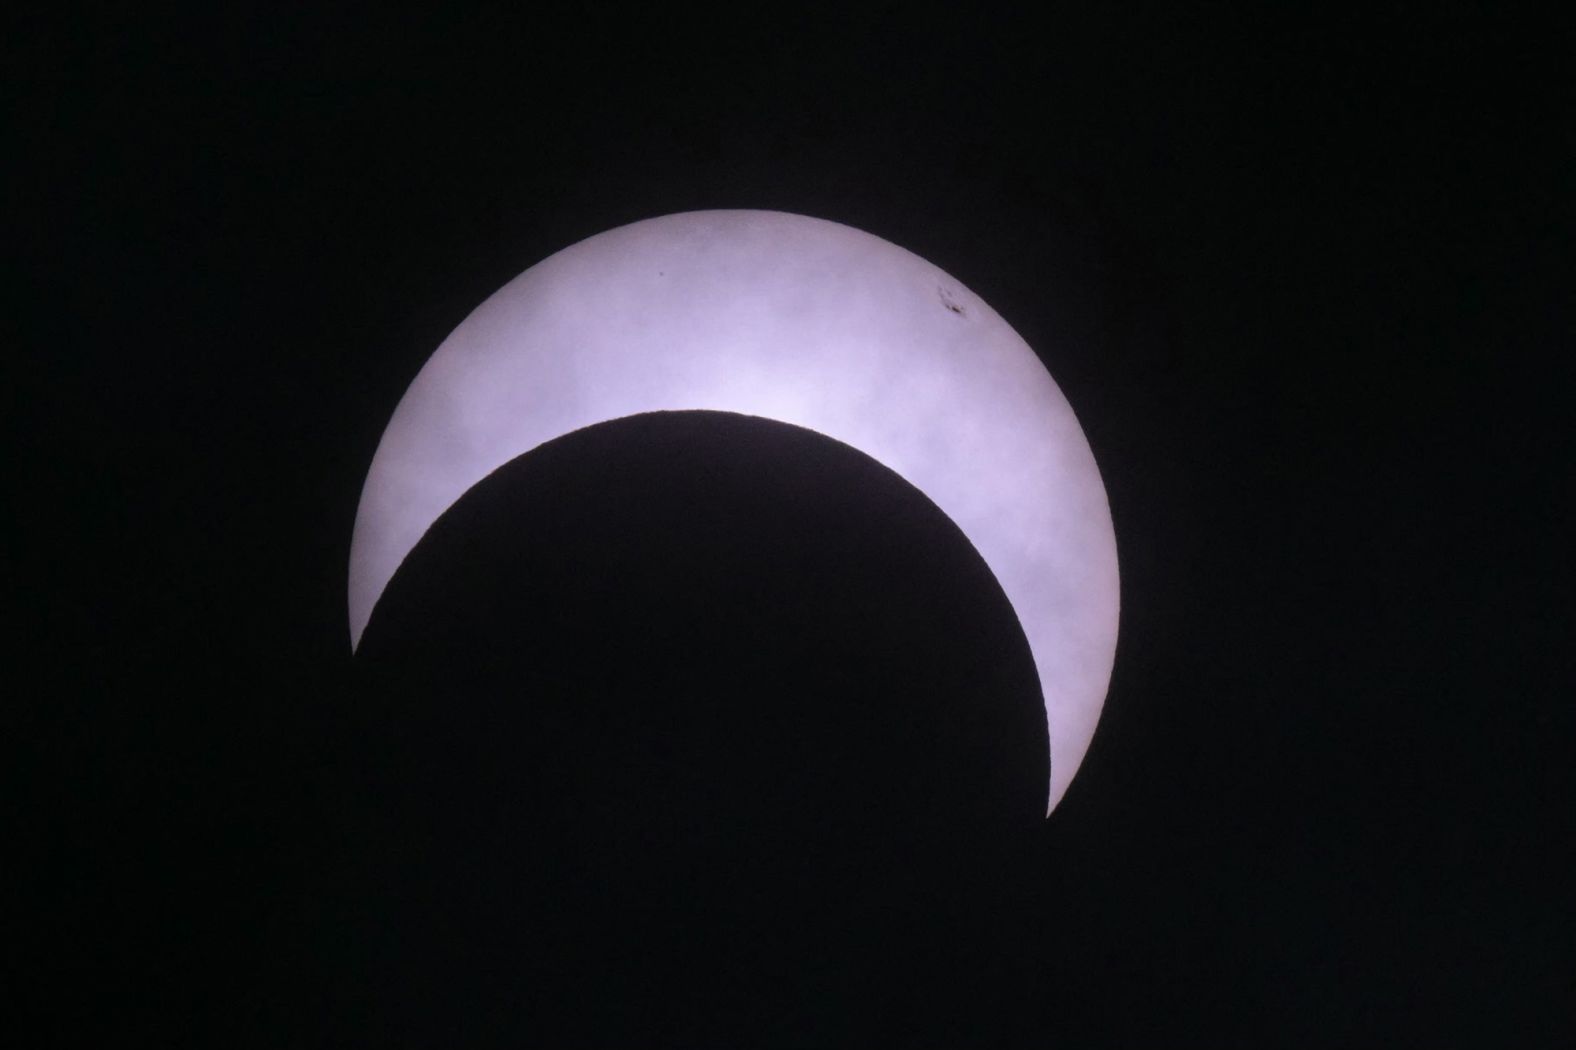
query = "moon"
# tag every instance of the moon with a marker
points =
(795, 319)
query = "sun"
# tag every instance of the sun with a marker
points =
(797, 320)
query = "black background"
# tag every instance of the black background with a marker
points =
(1304, 280)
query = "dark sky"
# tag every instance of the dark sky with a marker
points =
(1305, 281)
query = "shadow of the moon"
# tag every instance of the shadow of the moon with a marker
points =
(691, 728)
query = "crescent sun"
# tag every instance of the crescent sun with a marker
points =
(794, 319)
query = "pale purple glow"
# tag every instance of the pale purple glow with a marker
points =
(799, 320)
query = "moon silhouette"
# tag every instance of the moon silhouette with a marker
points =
(794, 319)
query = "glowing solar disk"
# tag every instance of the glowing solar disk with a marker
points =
(794, 319)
